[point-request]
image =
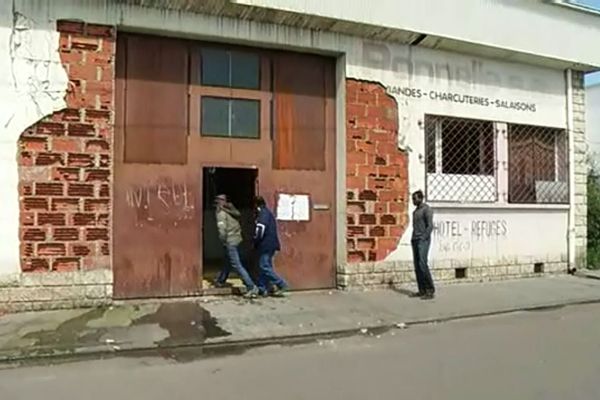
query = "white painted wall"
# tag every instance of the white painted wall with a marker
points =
(527, 26)
(32, 85)
(592, 122)
(415, 76)
(498, 236)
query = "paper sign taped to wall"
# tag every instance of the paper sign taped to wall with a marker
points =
(293, 207)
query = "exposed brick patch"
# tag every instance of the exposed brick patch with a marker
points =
(66, 204)
(64, 264)
(51, 219)
(376, 174)
(88, 219)
(92, 234)
(35, 203)
(34, 234)
(65, 160)
(34, 264)
(51, 249)
(65, 234)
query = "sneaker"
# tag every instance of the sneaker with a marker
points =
(252, 293)
(280, 292)
(219, 285)
(428, 296)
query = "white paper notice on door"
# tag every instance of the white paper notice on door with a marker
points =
(293, 207)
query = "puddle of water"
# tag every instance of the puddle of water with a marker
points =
(186, 323)
(68, 333)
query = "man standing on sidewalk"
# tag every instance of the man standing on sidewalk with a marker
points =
(266, 242)
(230, 233)
(421, 240)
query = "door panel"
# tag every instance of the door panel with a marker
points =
(156, 232)
(155, 207)
(304, 163)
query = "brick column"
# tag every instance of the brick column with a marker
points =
(65, 161)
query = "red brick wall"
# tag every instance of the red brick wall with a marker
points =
(65, 161)
(377, 173)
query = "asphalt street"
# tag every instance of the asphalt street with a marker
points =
(551, 354)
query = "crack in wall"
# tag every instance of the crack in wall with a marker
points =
(33, 86)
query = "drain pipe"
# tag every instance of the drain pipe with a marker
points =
(571, 229)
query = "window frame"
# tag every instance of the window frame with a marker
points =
(557, 172)
(437, 120)
(197, 91)
(229, 110)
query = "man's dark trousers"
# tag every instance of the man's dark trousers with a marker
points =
(420, 250)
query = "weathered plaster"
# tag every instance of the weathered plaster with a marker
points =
(33, 84)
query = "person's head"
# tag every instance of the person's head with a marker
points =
(260, 202)
(418, 198)
(221, 200)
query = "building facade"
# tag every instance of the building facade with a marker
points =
(122, 119)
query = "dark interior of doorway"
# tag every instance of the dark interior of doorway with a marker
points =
(239, 184)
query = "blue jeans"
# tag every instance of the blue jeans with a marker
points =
(235, 264)
(420, 250)
(267, 276)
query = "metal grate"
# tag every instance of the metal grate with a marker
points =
(461, 160)
(537, 165)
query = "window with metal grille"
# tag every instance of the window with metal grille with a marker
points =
(461, 159)
(537, 165)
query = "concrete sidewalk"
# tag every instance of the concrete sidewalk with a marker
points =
(213, 323)
(588, 273)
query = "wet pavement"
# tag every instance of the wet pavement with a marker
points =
(185, 330)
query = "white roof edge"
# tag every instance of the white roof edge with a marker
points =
(575, 6)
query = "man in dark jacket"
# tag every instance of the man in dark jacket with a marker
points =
(421, 240)
(266, 242)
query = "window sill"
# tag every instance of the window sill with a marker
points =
(498, 206)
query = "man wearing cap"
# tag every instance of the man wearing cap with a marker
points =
(230, 233)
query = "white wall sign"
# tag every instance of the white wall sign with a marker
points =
(293, 207)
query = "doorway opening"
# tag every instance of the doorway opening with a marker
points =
(239, 185)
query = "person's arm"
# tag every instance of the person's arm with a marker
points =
(230, 208)
(261, 226)
(429, 221)
(222, 225)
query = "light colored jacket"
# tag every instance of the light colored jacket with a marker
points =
(230, 230)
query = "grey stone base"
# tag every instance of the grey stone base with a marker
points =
(388, 274)
(55, 290)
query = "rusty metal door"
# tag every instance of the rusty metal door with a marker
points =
(304, 163)
(156, 232)
(156, 224)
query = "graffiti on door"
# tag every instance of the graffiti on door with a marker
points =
(163, 202)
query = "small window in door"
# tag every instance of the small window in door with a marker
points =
(234, 118)
(232, 69)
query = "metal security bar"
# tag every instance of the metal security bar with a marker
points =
(461, 160)
(537, 165)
